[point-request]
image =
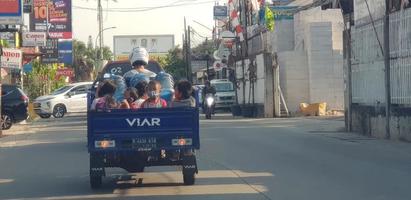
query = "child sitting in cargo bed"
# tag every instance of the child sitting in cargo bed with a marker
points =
(130, 98)
(141, 93)
(183, 95)
(105, 100)
(154, 100)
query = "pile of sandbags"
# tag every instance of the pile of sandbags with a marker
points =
(314, 109)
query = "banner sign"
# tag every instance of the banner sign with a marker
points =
(27, 68)
(65, 49)
(220, 12)
(27, 6)
(60, 20)
(65, 72)
(33, 39)
(50, 52)
(11, 12)
(283, 12)
(9, 37)
(198, 65)
(11, 58)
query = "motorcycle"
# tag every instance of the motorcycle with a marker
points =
(209, 105)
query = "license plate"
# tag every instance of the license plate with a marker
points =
(144, 144)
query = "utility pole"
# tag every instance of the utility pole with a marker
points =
(244, 46)
(349, 73)
(100, 27)
(185, 48)
(207, 60)
(1, 87)
(190, 75)
(387, 69)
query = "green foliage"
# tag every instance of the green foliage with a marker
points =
(86, 59)
(175, 64)
(42, 80)
(4, 43)
(207, 47)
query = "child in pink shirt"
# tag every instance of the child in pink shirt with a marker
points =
(154, 100)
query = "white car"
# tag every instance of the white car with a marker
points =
(67, 99)
(225, 94)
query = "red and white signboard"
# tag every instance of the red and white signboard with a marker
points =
(33, 39)
(11, 12)
(11, 58)
(65, 72)
(218, 65)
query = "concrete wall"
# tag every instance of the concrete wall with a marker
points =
(294, 79)
(259, 85)
(317, 60)
(283, 36)
(325, 67)
(370, 121)
(303, 19)
(368, 91)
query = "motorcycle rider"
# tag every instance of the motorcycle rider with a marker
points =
(208, 89)
(139, 59)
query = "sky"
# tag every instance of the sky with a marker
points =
(159, 21)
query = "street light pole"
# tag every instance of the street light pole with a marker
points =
(100, 24)
(100, 54)
(101, 33)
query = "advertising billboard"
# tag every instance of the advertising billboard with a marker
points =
(220, 12)
(283, 12)
(11, 58)
(33, 39)
(9, 37)
(155, 44)
(11, 12)
(60, 19)
(65, 49)
(50, 52)
(27, 6)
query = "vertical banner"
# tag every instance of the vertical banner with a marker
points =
(11, 12)
(11, 58)
(65, 48)
(27, 6)
(50, 52)
(59, 18)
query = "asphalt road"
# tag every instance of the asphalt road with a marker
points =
(240, 159)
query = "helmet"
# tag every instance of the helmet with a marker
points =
(138, 54)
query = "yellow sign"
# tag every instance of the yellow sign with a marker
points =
(122, 57)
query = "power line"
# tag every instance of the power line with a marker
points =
(195, 32)
(170, 4)
(125, 10)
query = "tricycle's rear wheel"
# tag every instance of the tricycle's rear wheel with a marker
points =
(96, 182)
(96, 170)
(189, 167)
(189, 178)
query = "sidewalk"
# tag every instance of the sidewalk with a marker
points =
(19, 129)
(33, 126)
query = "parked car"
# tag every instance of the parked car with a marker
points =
(14, 107)
(67, 99)
(225, 96)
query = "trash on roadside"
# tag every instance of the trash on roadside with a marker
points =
(315, 109)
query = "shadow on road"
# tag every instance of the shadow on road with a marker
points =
(59, 170)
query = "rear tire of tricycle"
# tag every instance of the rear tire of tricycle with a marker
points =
(189, 178)
(96, 182)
